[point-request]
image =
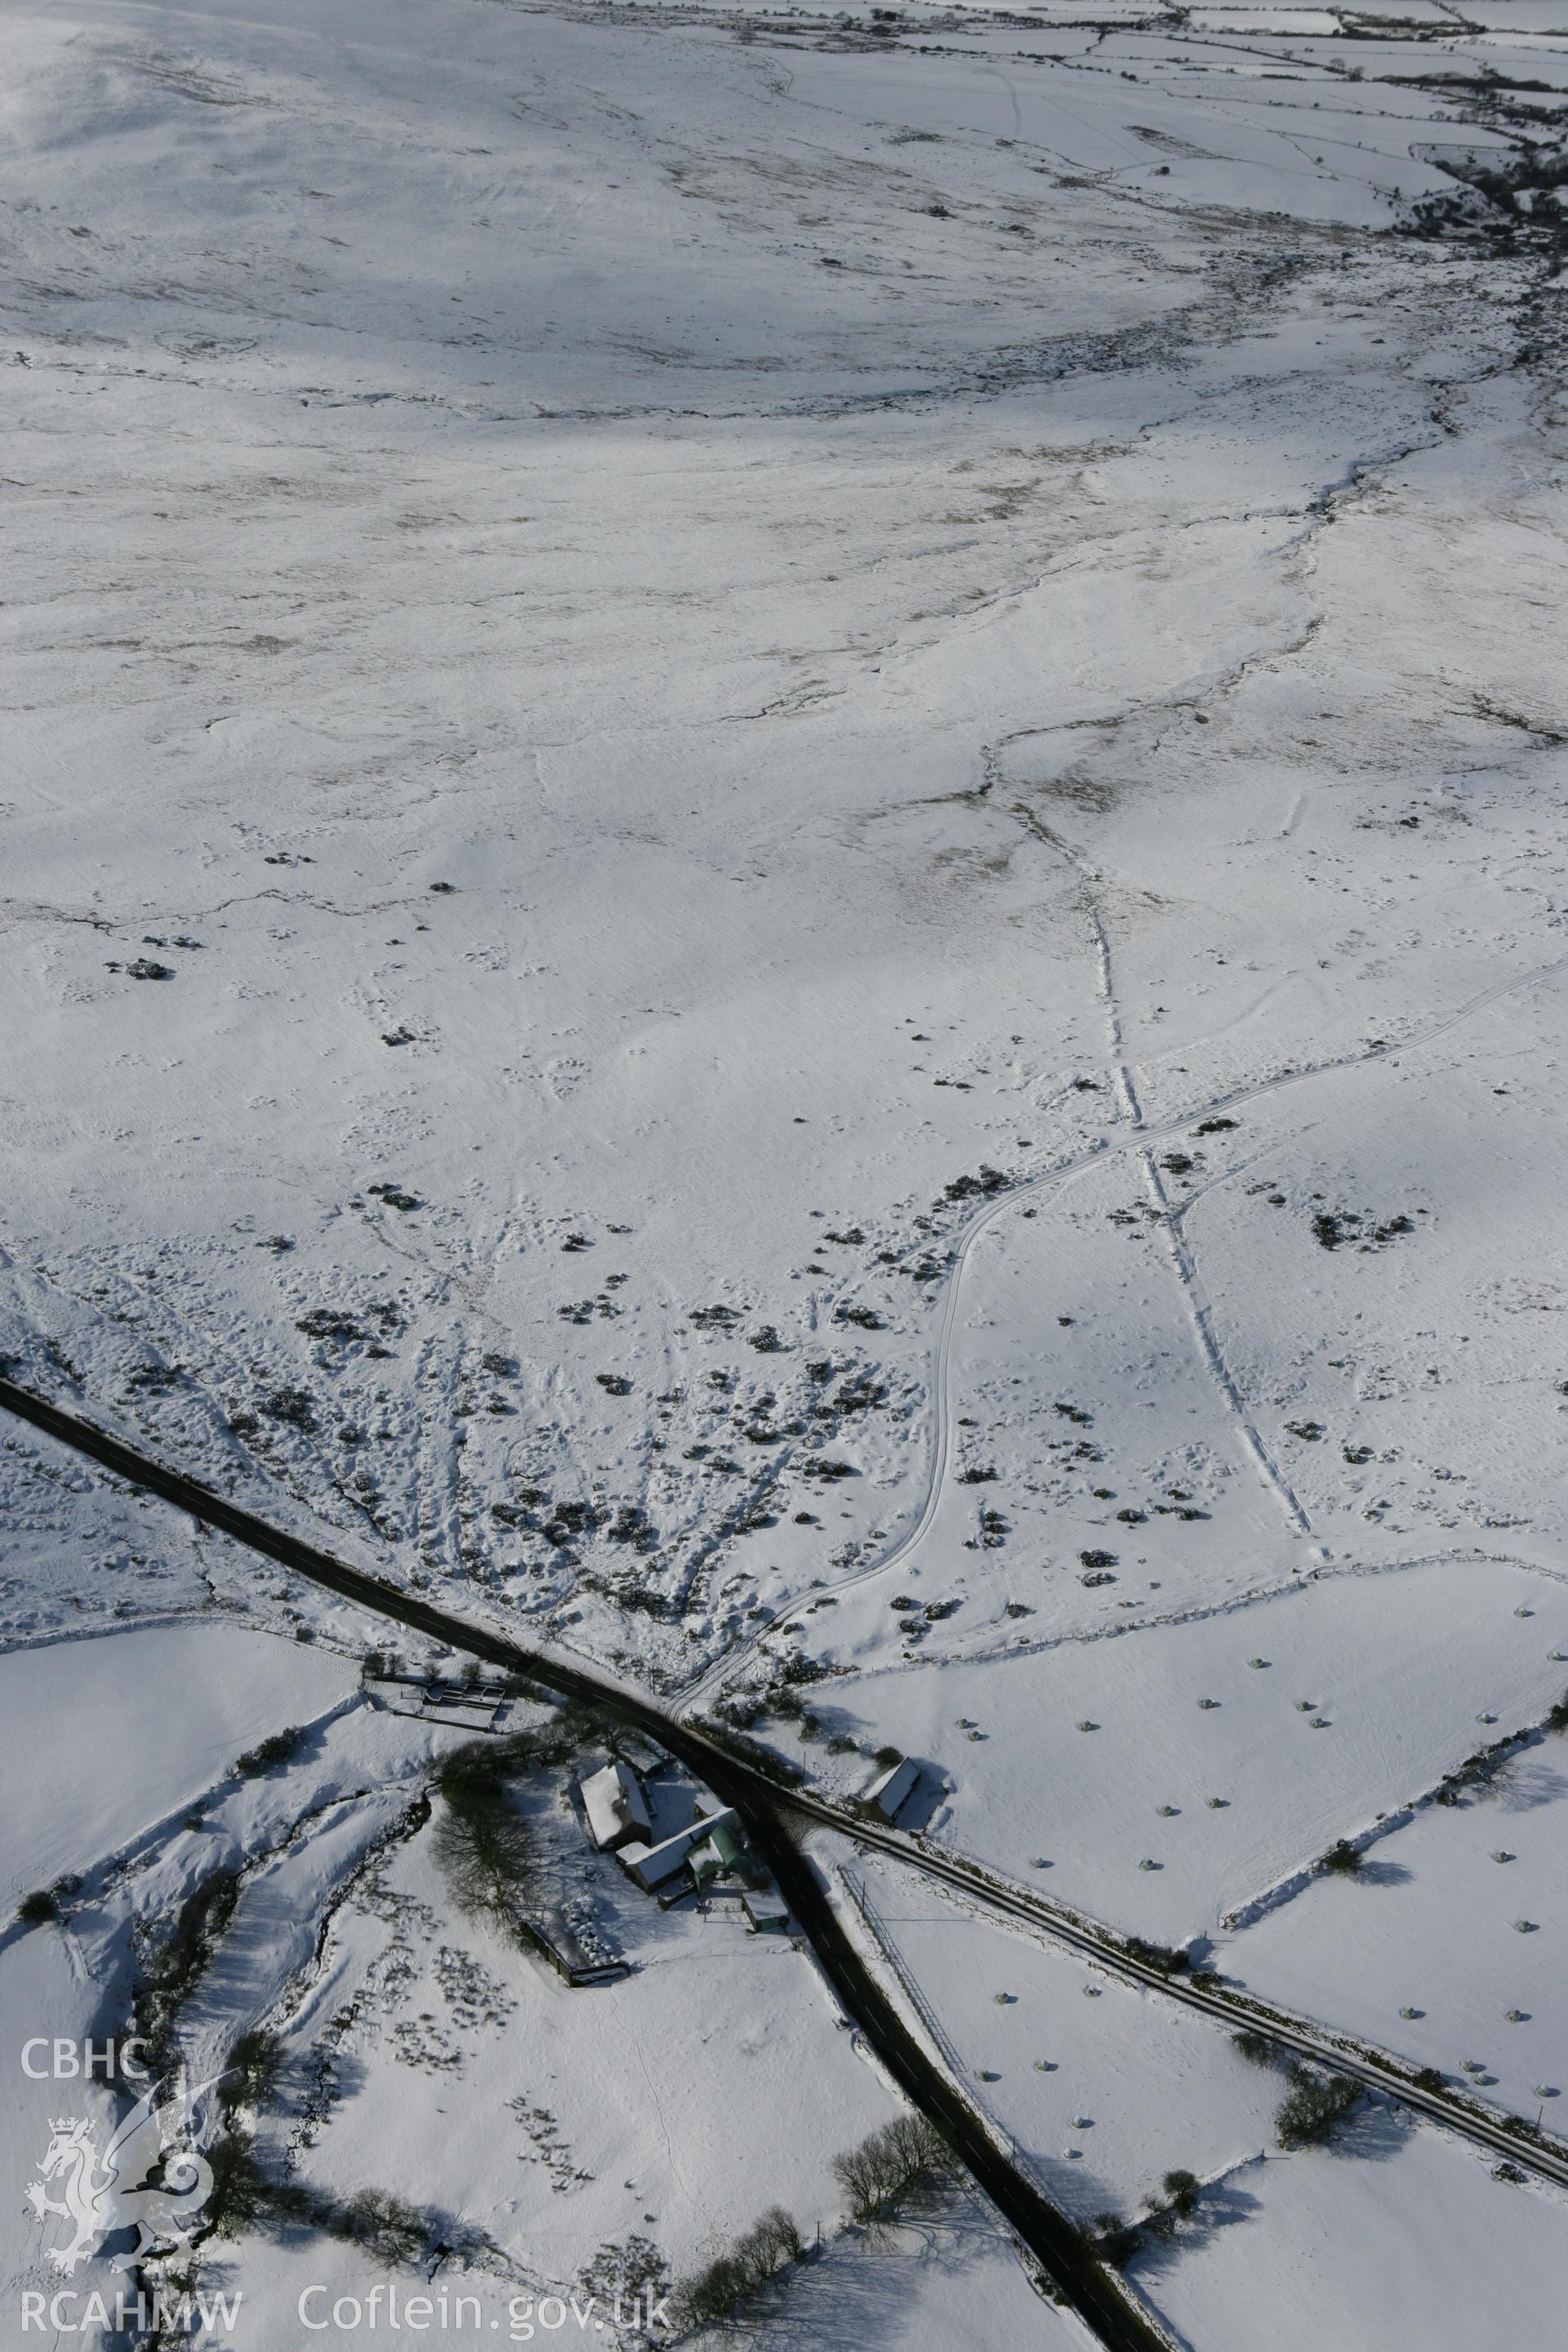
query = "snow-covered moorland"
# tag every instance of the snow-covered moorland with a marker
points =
(786, 906)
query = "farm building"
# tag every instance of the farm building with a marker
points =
(616, 1806)
(650, 1865)
(892, 1789)
(766, 1907)
(722, 1849)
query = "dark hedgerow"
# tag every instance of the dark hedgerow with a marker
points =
(482, 1840)
(757, 2256)
(174, 1964)
(1169, 1958)
(388, 2226)
(279, 1747)
(244, 2198)
(1115, 2240)
(250, 2077)
(1183, 2190)
(1313, 2106)
(199, 1923)
(241, 2197)
(887, 2164)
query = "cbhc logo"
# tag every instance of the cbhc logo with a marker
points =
(81, 2061)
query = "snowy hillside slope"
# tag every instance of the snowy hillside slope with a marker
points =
(785, 902)
(492, 584)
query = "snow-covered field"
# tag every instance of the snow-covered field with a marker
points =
(712, 2082)
(968, 672)
(1447, 1946)
(1390, 2234)
(783, 864)
(1414, 2244)
(1103, 2086)
(109, 1737)
(1168, 1778)
(947, 2273)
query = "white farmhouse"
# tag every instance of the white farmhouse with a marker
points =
(616, 1806)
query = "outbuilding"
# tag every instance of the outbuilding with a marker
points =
(892, 1789)
(766, 1907)
(721, 1851)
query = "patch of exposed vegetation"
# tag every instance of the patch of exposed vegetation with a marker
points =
(1314, 2107)
(879, 2174)
(731, 2280)
(1260, 2049)
(972, 1188)
(482, 1840)
(1335, 1228)
(279, 1747)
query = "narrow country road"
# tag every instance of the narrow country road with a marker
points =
(1093, 2291)
(765, 1803)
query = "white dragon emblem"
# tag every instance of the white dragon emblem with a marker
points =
(115, 2195)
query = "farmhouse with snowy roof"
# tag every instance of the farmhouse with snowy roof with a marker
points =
(616, 1809)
